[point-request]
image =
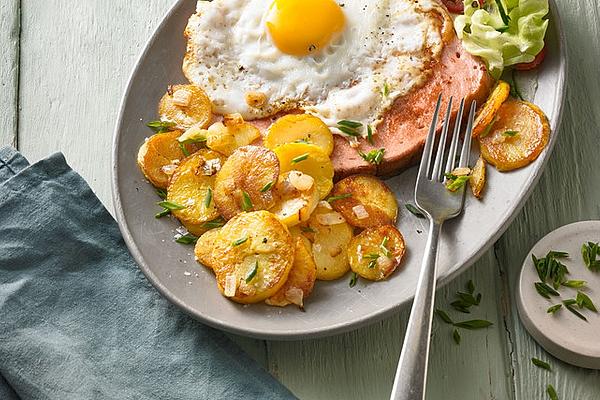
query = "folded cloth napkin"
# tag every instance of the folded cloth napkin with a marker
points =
(78, 320)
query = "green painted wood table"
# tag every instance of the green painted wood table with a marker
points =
(63, 70)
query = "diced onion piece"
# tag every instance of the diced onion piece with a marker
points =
(169, 169)
(463, 171)
(325, 204)
(360, 211)
(295, 296)
(230, 285)
(300, 181)
(182, 97)
(332, 218)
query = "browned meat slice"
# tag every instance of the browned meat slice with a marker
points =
(404, 128)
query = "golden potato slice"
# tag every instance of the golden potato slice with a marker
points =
(158, 156)
(296, 198)
(329, 236)
(245, 182)
(252, 256)
(518, 136)
(477, 180)
(230, 134)
(300, 281)
(191, 186)
(489, 110)
(204, 247)
(364, 201)
(185, 105)
(376, 252)
(299, 128)
(308, 159)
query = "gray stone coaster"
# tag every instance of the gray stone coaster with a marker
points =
(563, 334)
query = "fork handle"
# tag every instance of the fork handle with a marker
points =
(411, 376)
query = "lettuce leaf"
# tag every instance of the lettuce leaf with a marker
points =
(485, 34)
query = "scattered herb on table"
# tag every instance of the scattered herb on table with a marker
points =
(554, 308)
(188, 238)
(474, 324)
(456, 336)
(414, 210)
(444, 316)
(541, 364)
(552, 392)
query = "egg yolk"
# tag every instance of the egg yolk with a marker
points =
(302, 27)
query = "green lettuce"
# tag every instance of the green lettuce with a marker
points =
(502, 37)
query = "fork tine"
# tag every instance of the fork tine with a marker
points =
(466, 150)
(455, 136)
(426, 158)
(439, 158)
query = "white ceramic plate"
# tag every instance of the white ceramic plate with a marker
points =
(333, 307)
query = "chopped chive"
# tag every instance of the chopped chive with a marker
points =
(348, 131)
(252, 273)
(456, 336)
(414, 210)
(308, 229)
(239, 241)
(208, 198)
(541, 364)
(372, 264)
(350, 124)
(217, 223)
(267, 187)
(470, 286)
(340, 197)
(461, 306)
(552, 392)
(473, 324)
(574, 284)
(246, 202)
(163, 213)
(184, 150)
(162, 193)
(187, 239)
(384, 249)
(554, 309)
(514, 88)
(503, 15)
(584, 301)
(386, 90)
(370, 134)
(455, 184)
(374, 156)
(161, 126)
(510, 133)
(353, 279)
(300, 158)
(574, 311)
(590, 251)
(444, 316)
(169, 205)
(544, 290)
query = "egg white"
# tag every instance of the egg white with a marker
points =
(384, 51)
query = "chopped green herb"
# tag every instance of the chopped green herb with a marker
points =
(444, 316)
(455, 184)
(574, 284)
(183, 149)
(300, 158)
(163, 213)
(208, 198)
(414, 210)
(386, 90)
(187, 239)
(348, 131)
(169, 205)
(161, 126)
(267, 187)
(488, 128)
(305, 140)
(470, 286)
(384, 248)
(467, 298)
(350, 128)
(252, 273)
(503, 15)
(350, 124)
(162, 193)
(554, 309)
(353, 279)
(340, 197)
(570, 307)
(544, 290)
(456, 336)
(569, 302)
(239, 241)
(461, 306)
(550, 269)
(374, 156)
(590, 252)
(510, 133)
(217, 223)
(246, 202)
(514, 88)
(541, 364)
(584, 301)
(552, 392)
(473, 324)
(373, 259)
(308, 229)
(372, 264)
(370, 134)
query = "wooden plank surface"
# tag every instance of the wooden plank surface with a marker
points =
(9, 70)
(75, 60)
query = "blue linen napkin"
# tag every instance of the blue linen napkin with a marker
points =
(78, 320)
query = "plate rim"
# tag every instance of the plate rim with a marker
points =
(372, 318)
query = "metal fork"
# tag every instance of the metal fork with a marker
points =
(438, 204)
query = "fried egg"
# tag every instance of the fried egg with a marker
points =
(337, 61)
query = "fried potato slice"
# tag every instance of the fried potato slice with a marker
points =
(308, 159)
(364, 201)
(300, 281)
(158, 156)
(489, 110)
(204, 247)
(230, 134)
(186, 105)
(518, 136)
(329, 238)
(251, 256)
(293, 128)
(243, 182)
(296, 198)
(478, 178)
(376, 252)
(191, 186)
